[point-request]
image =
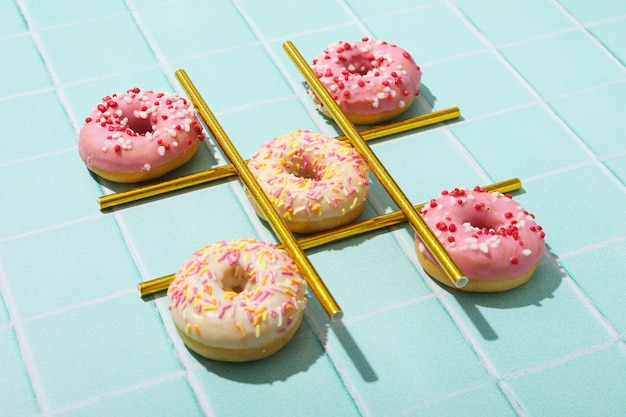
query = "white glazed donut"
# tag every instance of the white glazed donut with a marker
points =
(315, 182)
(490, 237)
(237, 301)
(371, 80)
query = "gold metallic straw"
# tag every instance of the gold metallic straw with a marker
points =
(398, 196)
(202, 177)
(311, 241)
(278, 224)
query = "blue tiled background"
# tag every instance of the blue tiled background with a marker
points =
(541, 85)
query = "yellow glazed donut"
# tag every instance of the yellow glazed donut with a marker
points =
(315, 182)
(371, 80)
(490, 237)
(237, 301)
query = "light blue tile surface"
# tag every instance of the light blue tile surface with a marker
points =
(541, 89)
(417, 162)
(231, 67)
(25, 74)
(52, 132)
(507, 21)
(485, 401)
(16, 393)
(479, 84)
(42, 13)
(618, 167)
(4, 314)
(430, 45)
(330, 261)
(606, 262)
(587, 12)
(578, 192)
(319, 15)
(611, 35)
(299, 378)
(542, 312)
(128, 349)
(547, 63)
(166, 226)
(36, 194)
(11, 21)
(216, 24)
(79, 51)
(367, 9)
(72, 262)
(264, 121)
(170, 397)
(528, 143)
(599, 375)
(438, 364)
(596, 117)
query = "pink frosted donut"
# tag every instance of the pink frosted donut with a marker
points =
(371, 81)
(491, 238)
(139, 135)
(315, 182)
(237, 301)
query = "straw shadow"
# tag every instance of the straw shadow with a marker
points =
(201, 161)
(543, 284)
(297, 356)
(348, 343)
(354, 352)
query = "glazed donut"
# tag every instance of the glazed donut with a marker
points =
(237, 301)
(139, 135)
(371, 81)
(491, 238)
(315, 182)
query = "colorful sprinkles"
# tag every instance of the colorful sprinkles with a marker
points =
(308, 176)
(372, 75)
(488, 232)
(156, 122)
(233, 291)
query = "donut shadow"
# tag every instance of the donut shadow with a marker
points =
(423, 104)
(542, 285)
(297, 356)
(202, 160)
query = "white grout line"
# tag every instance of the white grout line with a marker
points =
(400, 236)
(114, 394)
(180, 350)
(560, 361)
(589, 35)
(585, 90)
(496, 51)
(82, 304)
(39, 156)
(315, 116)
(591, 248)
(295, 86)
(24, 347)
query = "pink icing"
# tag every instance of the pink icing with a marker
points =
(137, 131)
(488, 235)
(368, 76)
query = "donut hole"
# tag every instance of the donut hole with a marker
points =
(139, 125)
(235, 280)
(300, 166)
(484, 219)
(359, 65)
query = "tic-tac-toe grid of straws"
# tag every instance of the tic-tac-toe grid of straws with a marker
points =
(528, 96)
